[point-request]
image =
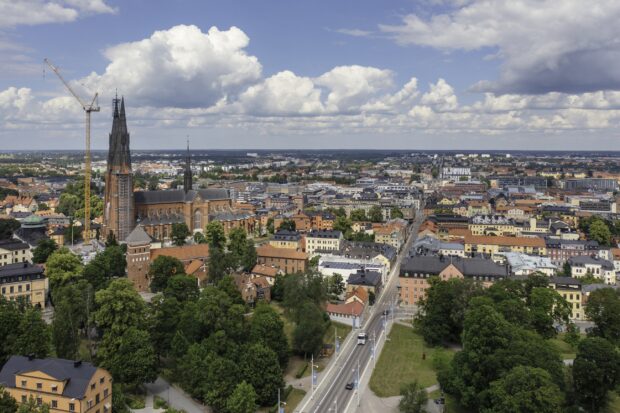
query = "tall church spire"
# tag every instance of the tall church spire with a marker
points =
(187, 175)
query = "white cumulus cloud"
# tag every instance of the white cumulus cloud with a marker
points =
(32, 12)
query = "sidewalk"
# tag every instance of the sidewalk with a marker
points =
(174, 396)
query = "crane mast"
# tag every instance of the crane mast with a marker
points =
(88, 109)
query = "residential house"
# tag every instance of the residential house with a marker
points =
(63, 385)
(288, 260)
(416, 272)
(570, 289)
(13, 251)
(286, 239)
(583, 266)
(24, 281)
(318, 241)
(493, 244)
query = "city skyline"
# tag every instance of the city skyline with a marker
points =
(356, 75)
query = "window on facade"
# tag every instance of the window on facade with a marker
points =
(24, 383)
(105, 393)
(27, 287)
(54, 404)
(54, 388)
(92, 386)
(101, 380)
(71, 407)
(97, 398)
(39, 401)
(39, 386)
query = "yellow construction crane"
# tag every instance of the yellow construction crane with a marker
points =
(88, 108)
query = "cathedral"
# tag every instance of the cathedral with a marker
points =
(156, 211)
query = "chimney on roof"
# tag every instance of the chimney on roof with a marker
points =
(30, 357)
(77, 363)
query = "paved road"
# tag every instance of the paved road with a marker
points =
(331, 395)
(175, 397)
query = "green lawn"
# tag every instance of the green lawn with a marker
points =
(294, 398)
(401, 362)
(614, 403)
(566, 351)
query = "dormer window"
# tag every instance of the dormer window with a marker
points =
(24, 383)
(54, 388)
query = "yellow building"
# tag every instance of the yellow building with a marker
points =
(492, 245)
(286, 239)
(24, 281)
(63, 385)
(493, 225)
(12, 251)
(570, 289)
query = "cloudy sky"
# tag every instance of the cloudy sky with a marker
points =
(425, 74)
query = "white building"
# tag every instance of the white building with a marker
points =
(585, 265)
(523, 264)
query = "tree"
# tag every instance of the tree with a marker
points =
(396, 213)
(358, 215)
(216, 238)
(596, 371)
(45, 247)
(119, 307)
(106, 265)
(219, 264)
(342, 224)
(260, 367)
(266, 327)
(65, 335)
(308, 333)
(375, 214)
(493, 346)
(62, 266)
(182, 287)
(179, 233)
(269, 226)
(604, 310)
(8, 227)
(129, 357)
(414, 398)
(599, 231)
(525, 390)
(34, 335)
(442, 312)
(547, 307)
(32, 406)
(164, 316)
(242, 400)
(199, 238)
(161, 269)
(7, 402)
(287, 225)
(68, 204)
(572, 336)
(249, 256)
(237, 243)
(335, 286)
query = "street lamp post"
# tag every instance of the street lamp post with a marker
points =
(358, 382)
(336, 342)
(313, 377)
(280, 403)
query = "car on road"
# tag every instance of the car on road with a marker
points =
(386, 311)
(350, 386)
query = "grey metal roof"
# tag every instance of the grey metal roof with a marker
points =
(77, 378)
(138, 236)
(468, 266)
(583, 260)
(13, 245)
(365, 277)
(324, 234)
(20, 268)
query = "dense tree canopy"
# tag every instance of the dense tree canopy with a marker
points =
(119, 307)
(62, 267)
(525, 390)
(45, 247)
(596, 371)
(216, 238)
(162, 269)
(604, 310)
(179, 233)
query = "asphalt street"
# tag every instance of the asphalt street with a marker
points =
(332, 396)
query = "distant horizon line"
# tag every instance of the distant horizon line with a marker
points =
(322, 150)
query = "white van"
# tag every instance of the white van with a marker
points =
(361, 338)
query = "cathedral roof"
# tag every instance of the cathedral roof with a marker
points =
(178, 195)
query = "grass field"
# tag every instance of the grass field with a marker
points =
(566, 351)
(293, 400)
(402, 362)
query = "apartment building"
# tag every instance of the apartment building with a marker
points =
(285, 259)
(596, 267)
(24, 281)
(63, 385)
(323, 240)
(494, 244)
(13, 251)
